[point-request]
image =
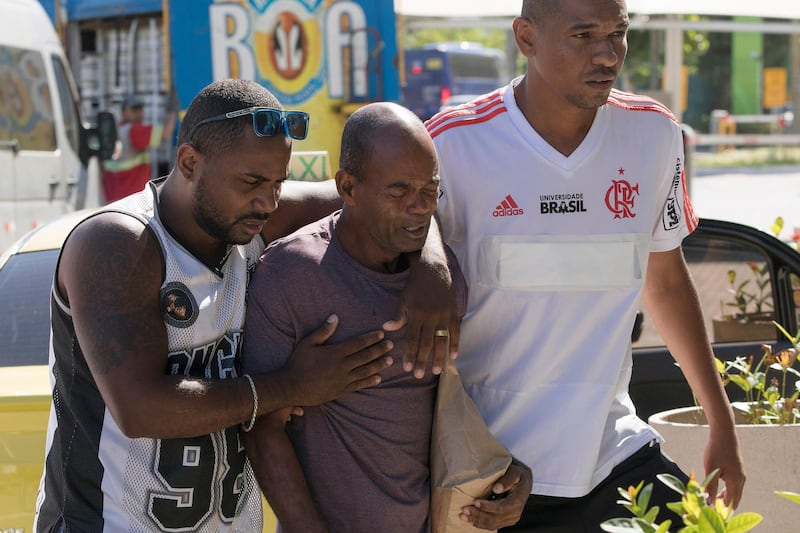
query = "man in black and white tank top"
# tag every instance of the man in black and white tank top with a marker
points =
(147, 312)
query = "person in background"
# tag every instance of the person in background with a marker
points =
(565, 202)
(129, 169)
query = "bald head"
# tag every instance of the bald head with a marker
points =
(373, 125)
(389, 184)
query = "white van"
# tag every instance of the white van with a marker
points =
(44, 147)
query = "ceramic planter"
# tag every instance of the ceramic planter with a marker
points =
(749, 328)
(771, 456)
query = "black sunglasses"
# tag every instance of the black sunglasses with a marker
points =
(267, 122)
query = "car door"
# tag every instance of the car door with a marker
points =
(737, 270)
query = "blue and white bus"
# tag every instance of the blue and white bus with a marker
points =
(437, 72)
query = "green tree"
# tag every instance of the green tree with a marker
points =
(646, 55)
(491, 38)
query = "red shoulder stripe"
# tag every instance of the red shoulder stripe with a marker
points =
(468, 121)
(470, 114)
(476, 106)
(691, 217)
(637, 102)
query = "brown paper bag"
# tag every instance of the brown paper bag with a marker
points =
(466, 459)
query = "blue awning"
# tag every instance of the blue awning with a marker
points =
(50, 7)
(93, 9)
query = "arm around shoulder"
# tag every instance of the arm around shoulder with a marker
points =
(301, 203)
(429, 308)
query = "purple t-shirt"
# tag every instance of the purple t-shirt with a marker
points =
(366, 455)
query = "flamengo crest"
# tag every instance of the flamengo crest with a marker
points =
(621, 197)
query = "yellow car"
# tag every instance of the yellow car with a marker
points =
(26, 275)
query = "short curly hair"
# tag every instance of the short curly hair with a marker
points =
(358, 142)
(538, 10)
(218, 98)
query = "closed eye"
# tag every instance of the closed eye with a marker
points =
(433, 192)
(254, 180)
(397, 190)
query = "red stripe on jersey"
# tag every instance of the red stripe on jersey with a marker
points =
(623, 96)
(636, 102)
(691, 218)
(477, 106)
(466, 121)
(505, 204)
(512, 202)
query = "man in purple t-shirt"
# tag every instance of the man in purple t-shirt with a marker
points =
(360, 463)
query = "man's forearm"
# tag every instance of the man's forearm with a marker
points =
(280, 476)
(301, 203)
(691, 349)
(677, 315)
(676, 312)
(433, 252)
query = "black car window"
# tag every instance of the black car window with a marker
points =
(734, 286)
(25, 283)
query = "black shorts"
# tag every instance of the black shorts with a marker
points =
(550, 514)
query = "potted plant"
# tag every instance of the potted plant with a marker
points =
(748, 314)
(767, 427)
(791, 496)
(697, 514)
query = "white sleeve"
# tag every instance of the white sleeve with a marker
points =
(676, 219)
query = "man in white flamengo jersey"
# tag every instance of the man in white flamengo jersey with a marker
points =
(565, 203)
(148, 306)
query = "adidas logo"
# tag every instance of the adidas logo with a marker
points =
(507, 208)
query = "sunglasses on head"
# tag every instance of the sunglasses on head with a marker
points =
(267, 122)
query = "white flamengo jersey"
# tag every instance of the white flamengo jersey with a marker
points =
(555, 249)
(96, 478)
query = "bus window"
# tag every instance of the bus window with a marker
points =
(475, 66)
(437, 73)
